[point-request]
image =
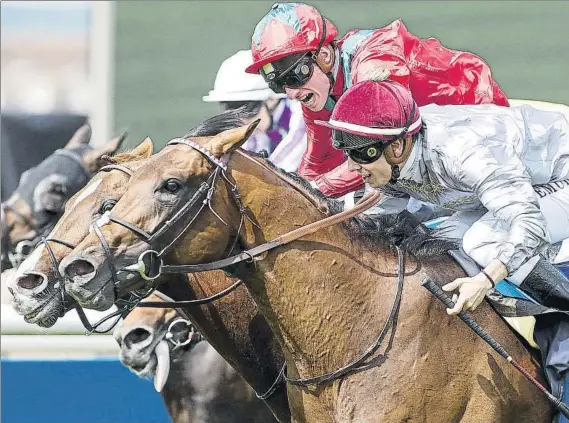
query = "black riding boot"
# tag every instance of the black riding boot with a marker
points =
(547, 285)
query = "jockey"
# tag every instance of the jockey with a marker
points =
(503, 171)
(281, 132)
(294, 47)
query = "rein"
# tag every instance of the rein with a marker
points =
(360, 363)
(293, 235)
(248, 255)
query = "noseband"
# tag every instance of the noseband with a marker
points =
(121, 304)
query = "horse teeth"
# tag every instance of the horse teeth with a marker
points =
(162, 366)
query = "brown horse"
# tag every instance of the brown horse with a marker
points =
(196, 383)
(325, 296)
(236, 328)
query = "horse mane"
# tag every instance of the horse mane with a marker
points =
(389, 230)
(229, 119)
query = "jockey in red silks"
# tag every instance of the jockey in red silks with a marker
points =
(294, 47)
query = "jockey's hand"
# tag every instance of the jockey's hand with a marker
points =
(471, 292)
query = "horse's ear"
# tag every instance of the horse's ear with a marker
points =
(141, 152)
(81, 137)
(92, 157)
(112, 146)
(232, 139)
(144, 150)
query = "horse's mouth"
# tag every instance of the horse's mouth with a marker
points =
(145, 370)
(157, 366)
(101, 299)
(37, 307)
(45, 315)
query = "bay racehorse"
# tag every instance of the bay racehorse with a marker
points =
(197, 385)
(326, 296)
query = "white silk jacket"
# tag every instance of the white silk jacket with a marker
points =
(488, 157)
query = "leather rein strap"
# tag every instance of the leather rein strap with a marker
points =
(248, 255)
(364, 204)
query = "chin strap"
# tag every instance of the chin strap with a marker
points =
(395, 173)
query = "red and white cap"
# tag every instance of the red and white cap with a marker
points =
(382, 110)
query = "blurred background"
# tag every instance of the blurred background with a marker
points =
(144, 66)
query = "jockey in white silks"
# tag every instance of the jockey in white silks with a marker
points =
(504, 172)
(281, 132)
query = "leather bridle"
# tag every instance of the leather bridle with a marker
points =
(123, 304)
(202, 198)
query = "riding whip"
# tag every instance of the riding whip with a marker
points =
(445, 299)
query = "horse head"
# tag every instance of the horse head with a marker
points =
(39, 201)
(154, 193)
(37, 286)
(151, 338)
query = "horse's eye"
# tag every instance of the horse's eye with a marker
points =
(172, 186)
(107, 206)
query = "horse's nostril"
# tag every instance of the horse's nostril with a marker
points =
(136, 336)
(29, 281)
(79, 268)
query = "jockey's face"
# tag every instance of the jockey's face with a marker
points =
(314, 93)
(376, 174)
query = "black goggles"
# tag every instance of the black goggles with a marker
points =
(366, 155)
(360, 149)
(293, 76)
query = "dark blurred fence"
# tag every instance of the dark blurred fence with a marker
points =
(169, 51)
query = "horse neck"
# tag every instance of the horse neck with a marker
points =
(315, 288)
(235, 329)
